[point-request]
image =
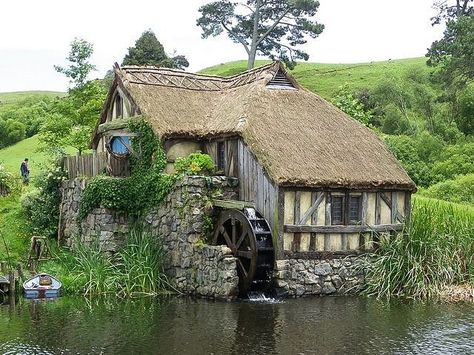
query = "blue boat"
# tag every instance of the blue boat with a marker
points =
(42, 286)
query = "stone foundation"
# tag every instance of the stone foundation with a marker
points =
(301, 277)
(192, 266)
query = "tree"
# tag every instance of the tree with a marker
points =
(149, 51)
(274, 28)
(79, 67)
(450, 10)
(72, 118)
(455, 51)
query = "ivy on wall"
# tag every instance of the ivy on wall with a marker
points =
(147, 185)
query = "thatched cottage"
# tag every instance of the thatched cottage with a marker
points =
(325, 183)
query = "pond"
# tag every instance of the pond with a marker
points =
(329, 325)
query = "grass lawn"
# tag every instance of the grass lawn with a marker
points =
(325, 79)
(12, 156)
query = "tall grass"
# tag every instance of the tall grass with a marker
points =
(140, 265)
(435, 250)
(137, 269)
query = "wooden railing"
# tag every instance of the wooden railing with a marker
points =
(90, 165)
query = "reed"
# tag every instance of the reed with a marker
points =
(136, 270)
(140, 265)
(435, 250)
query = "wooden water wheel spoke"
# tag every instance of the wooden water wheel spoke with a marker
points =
(241, 239)
(234, 233)
(241, 267)
(228, 240)
(234, 229)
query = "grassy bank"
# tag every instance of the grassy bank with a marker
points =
(15, 232)
(435, 251)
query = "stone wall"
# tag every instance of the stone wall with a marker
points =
(301, 277)
(192, 266)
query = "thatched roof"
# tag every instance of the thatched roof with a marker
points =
(299, 138)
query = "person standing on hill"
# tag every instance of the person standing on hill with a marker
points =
(25, 171)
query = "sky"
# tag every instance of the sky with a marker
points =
(35, 35)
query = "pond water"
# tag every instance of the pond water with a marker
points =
(330, 325)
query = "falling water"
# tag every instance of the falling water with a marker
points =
(250, 212)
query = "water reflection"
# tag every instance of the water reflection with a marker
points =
(327, 325)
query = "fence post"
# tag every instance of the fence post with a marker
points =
(94, 163)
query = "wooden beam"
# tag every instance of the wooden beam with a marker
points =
(407, 207)
(365, 204)
(311, 210)
(281, 223)
(288, 228)
(394, 207)
(296, 245)
(297, 205)
(232, 204)
(386, 199)
(328, 209)
(377, 208)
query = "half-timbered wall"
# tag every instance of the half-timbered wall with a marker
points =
(307, 225)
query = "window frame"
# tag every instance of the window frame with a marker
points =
(345, 208)
(118, 105)
(220, 159)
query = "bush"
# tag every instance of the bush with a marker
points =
(8, 183)
(131, 195)
(195, 164)
(405, 149)
(458, 190)
(42, 206)
(454, 160)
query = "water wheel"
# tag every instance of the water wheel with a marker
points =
(249, 237)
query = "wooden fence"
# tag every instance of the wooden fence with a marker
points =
(90, 165)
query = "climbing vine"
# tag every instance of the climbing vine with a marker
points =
(146, 186)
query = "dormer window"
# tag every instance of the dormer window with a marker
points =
(280, 82)
(118, 106)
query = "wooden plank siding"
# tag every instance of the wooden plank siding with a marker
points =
(255, 186)
(381, 213)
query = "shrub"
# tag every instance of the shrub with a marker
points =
(195, 164)
(454, 160)
(458, 190)
(42, 206)
(8, 183)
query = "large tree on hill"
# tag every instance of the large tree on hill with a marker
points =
(149, 51)
(273, 28)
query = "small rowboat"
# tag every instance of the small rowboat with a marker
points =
(42, 286)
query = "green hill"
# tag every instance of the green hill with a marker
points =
(12, 156)
(13, 97)
(325, 79)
